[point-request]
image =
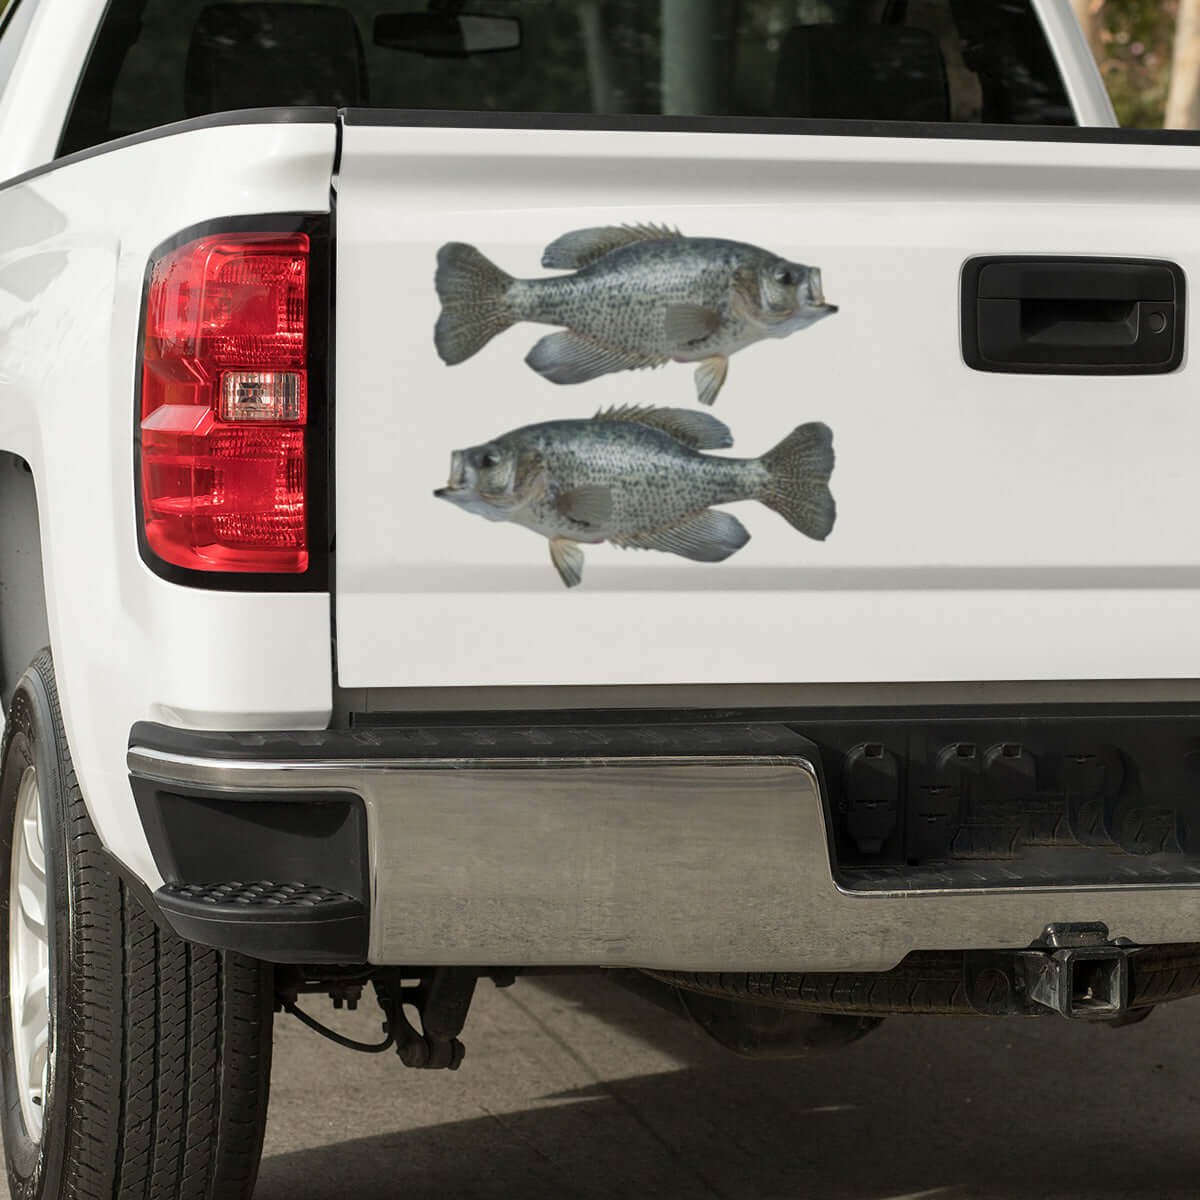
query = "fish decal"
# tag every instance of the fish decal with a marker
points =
(640, 296)
(636, 477)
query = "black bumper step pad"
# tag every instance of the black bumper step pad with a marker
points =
(279, 922)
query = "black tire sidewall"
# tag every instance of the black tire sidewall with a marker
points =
(31, 738)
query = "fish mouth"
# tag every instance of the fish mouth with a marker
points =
(828, 308)
(448, 492)
(816, 289)
(457, 481)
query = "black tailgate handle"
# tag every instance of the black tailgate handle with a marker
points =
(1073, 316)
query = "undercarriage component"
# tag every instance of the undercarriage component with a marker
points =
(337, 1038)
(1099, 981)
(343, 986)
(759, 1031)
(442, 998)
(1072, 970)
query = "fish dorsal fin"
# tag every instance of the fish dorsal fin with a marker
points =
(699, 430)
(708, 536)
(567, 558)
(584, 246)
(590, 504)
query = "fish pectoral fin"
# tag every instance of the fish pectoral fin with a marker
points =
(710, 378)
(686, 324)
(567, 558)
(569, 357)
(708, 536)
(583, 247)
(700, 431)
(590, 504)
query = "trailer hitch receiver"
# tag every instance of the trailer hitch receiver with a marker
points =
(1078, 973)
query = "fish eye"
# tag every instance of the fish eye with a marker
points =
(489, 458)
(787, 275)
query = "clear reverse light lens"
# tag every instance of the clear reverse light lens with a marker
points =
(262, 396)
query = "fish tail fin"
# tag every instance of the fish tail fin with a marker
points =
(472, 291)
(797, 486)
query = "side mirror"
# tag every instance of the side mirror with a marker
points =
(440, 35)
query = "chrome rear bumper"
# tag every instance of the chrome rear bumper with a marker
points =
(686, 862)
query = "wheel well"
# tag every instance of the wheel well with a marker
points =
(23, 626)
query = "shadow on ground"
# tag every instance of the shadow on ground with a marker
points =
(922, 1108)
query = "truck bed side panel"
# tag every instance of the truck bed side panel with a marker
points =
(990, 526)
(74, 245)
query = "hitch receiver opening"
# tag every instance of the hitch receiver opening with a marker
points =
(1080, 975)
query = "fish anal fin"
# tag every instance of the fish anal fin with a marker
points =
(582, 247)
(567, 558)
(699, 430)
(710, 378)
(708, 536)
(590, 504)
(569, 357)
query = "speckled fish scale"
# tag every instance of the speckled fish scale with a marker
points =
(655, 480)
(620, 300)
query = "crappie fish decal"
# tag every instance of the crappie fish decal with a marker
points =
(636, 477)
(640, 296)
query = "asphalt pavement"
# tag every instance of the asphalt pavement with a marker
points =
(573, 1087)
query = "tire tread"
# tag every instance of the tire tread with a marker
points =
(170, 1052)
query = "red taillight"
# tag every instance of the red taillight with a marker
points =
(224, 402)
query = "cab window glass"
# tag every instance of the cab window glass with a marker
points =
(157, 61)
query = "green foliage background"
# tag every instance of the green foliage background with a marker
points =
(1136, 63)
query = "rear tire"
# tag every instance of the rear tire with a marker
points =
(158, 1053)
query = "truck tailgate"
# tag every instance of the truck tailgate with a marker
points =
(989, 525)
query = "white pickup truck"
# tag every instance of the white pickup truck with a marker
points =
(373, 612)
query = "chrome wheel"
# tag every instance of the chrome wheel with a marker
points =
(29, 955)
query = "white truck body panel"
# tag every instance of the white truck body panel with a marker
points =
(129, 646)
(38, 94)
(991, 526)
